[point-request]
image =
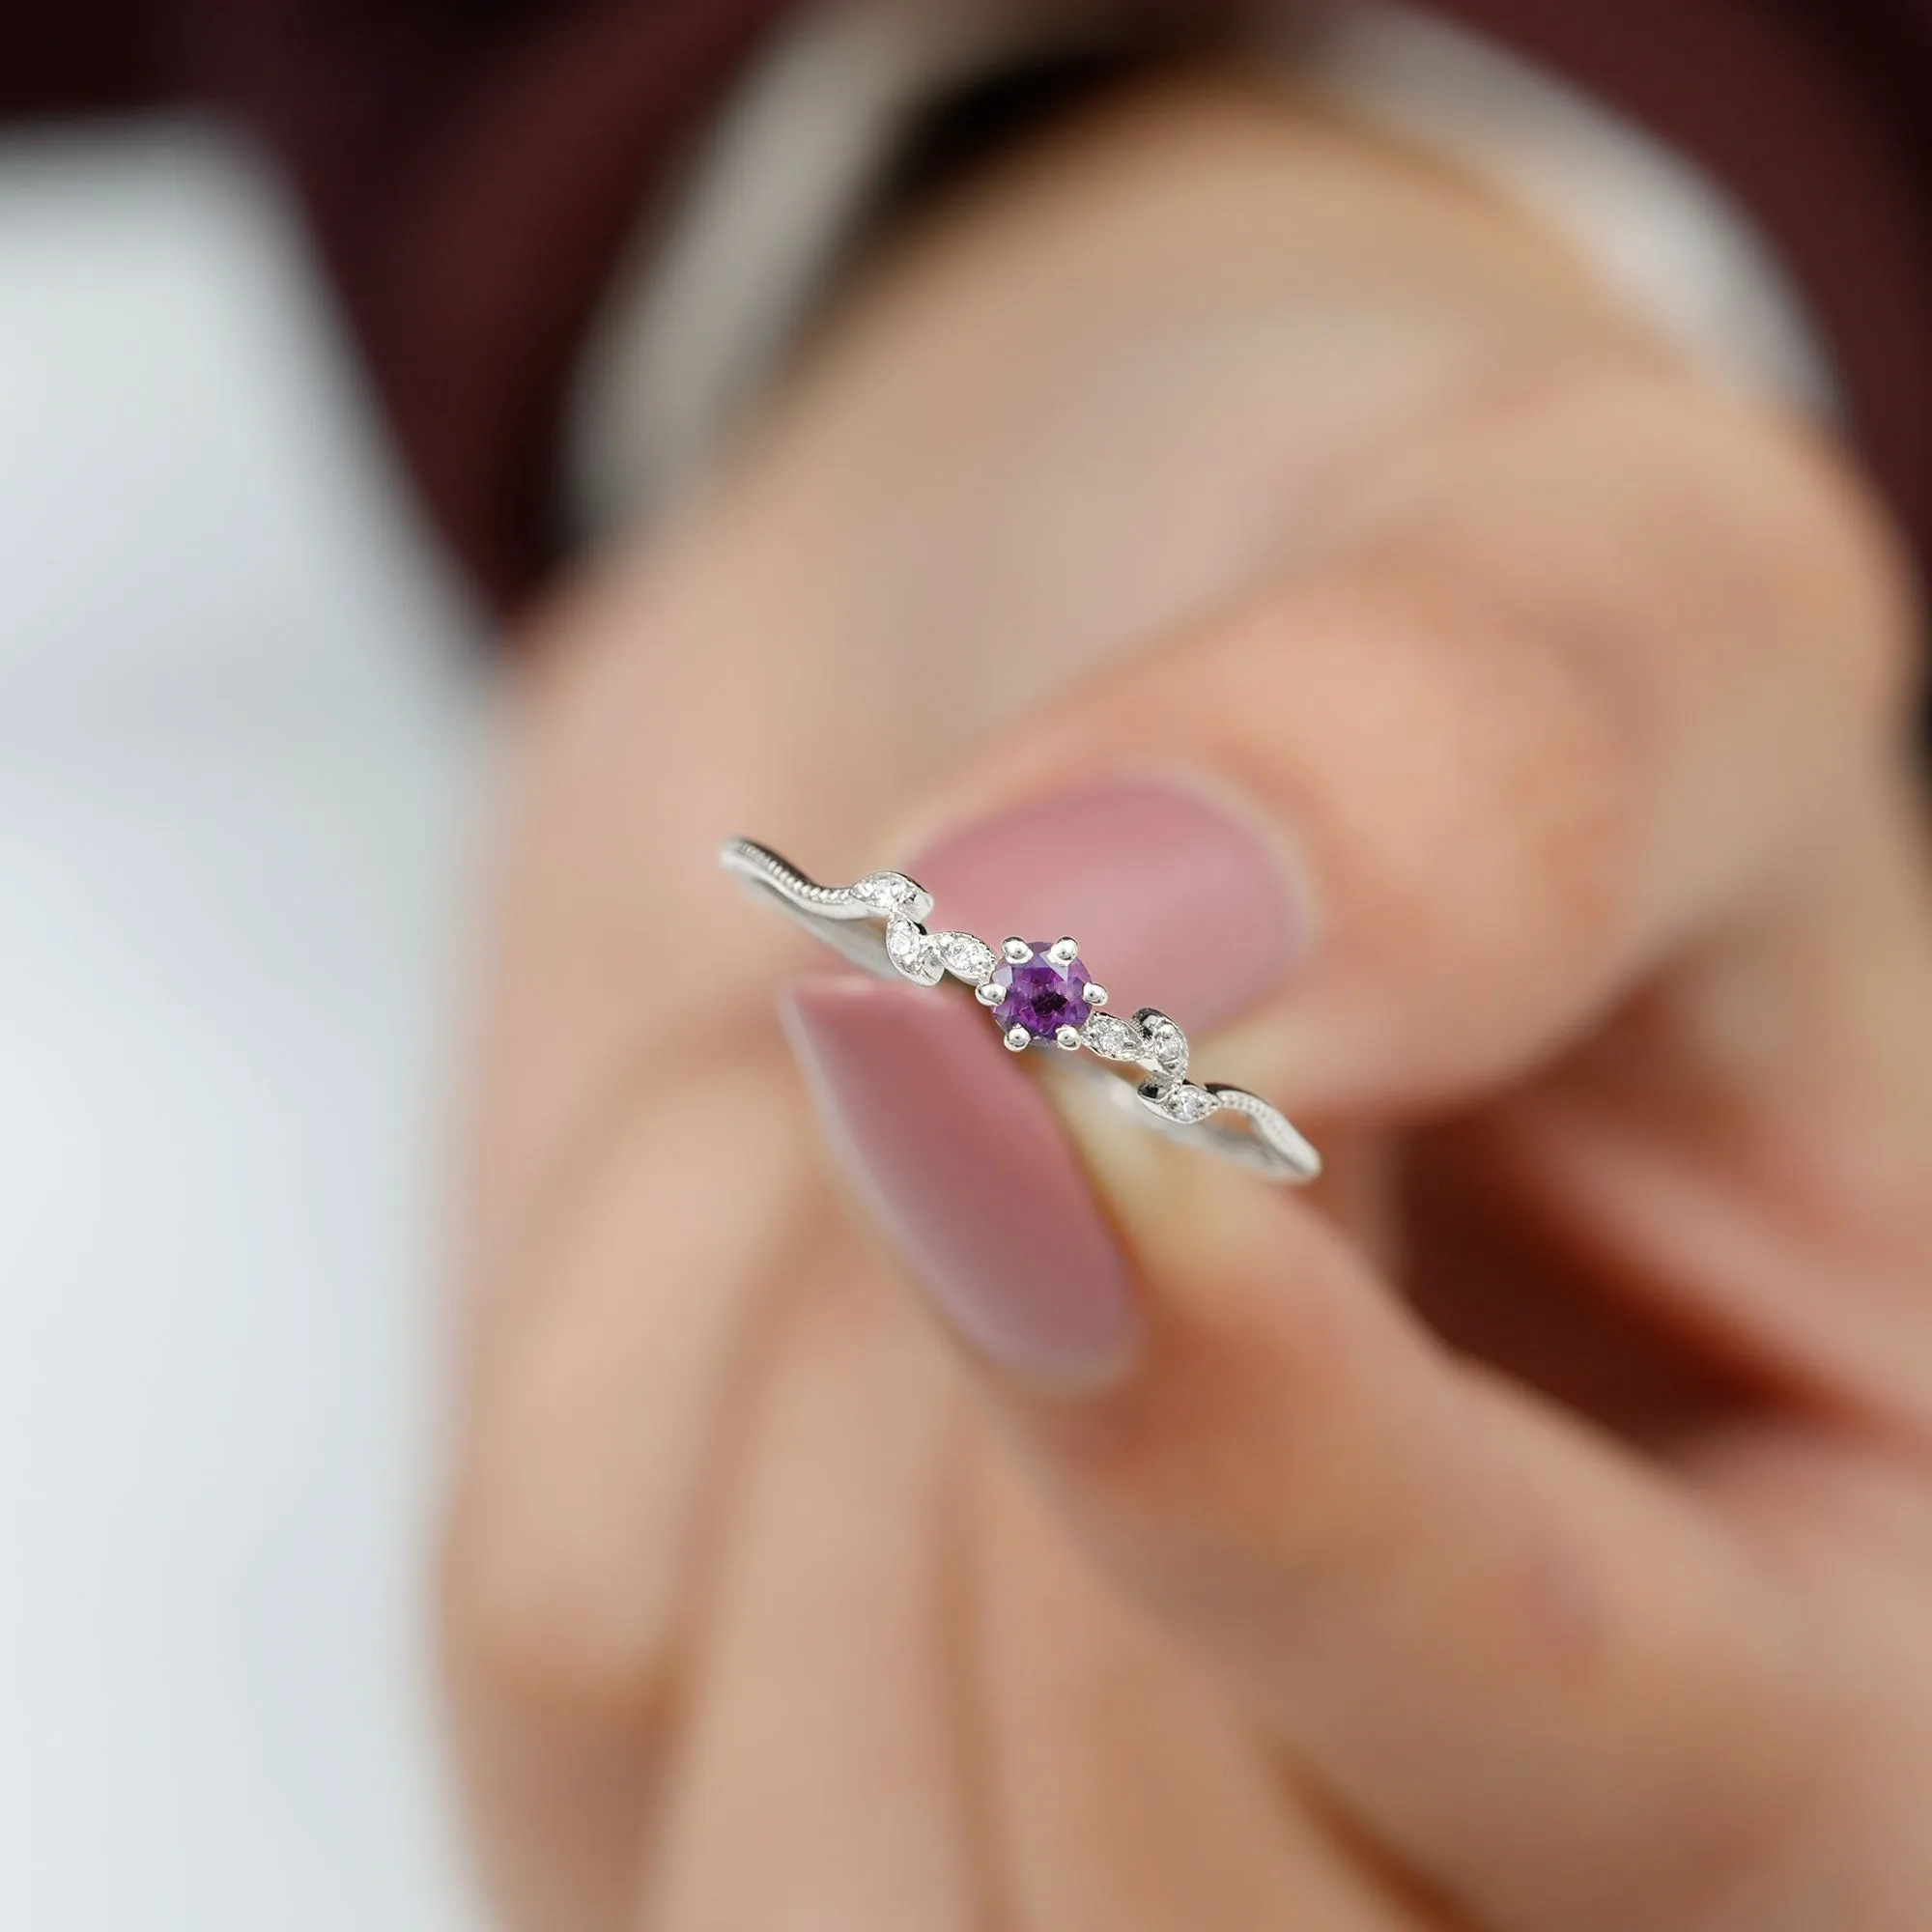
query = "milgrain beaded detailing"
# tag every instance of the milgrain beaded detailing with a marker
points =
(1040, 994)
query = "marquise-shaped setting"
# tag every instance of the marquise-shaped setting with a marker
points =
(893, 892)
(1113, 1037)
(966, 957)
(1182, 1103)
(913, 950)
(1166, 1045)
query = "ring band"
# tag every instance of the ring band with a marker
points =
(1039, 996)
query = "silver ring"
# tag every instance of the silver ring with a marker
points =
(1039, 996)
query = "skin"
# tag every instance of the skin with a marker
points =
(1531, 1529)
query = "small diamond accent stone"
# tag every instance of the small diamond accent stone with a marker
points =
(970, 960)
(892, 892)
(1166, 1042)
(1114, 1039)
(1182, 1103)
(1041, 996)
(910, 947)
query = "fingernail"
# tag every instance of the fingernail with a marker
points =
(960, 1156)
(1176, 901)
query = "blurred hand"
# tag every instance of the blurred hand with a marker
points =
(1244, 548)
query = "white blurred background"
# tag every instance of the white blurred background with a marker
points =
(243, 720)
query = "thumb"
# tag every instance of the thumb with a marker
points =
(1531, 1671)
(1540, 717)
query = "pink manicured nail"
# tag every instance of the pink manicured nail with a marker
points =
(960, 1156)
(1176, 902)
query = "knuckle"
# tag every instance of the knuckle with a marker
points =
(596, 1403)
(551, 1596)
(1730, 533)
(1830, 579)
(548, 1620)
(1480, 772)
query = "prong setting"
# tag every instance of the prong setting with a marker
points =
(1068, 1038)
(989, 995)
(1095, 996)
(1017, 1039)
(1063, 952)
(1017, 952)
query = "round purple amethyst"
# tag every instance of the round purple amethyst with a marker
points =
(1040, 996)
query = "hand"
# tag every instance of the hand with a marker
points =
(1533, 1531)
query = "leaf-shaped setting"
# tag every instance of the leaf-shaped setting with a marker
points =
(966, 958)
(1166, 1044)
(910, 948)
(893, 893)
(1183, 1102)
(1113, 1037)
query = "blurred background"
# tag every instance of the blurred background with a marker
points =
(241, 731)
(549, 253)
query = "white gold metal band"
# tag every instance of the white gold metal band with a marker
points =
(1039, 996)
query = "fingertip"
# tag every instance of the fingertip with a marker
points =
(960, 1157)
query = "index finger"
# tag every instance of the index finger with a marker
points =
(1586, 726)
